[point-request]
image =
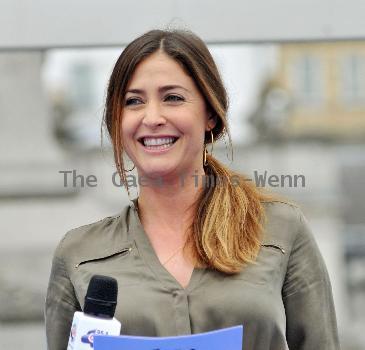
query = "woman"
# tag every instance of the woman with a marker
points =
(191, 257)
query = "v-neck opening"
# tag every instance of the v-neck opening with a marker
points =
(151, 259)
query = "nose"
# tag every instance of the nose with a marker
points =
(153, 115)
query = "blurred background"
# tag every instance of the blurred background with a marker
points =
(296, 83)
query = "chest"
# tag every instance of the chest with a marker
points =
(151, 304)
(174, 259)
(181, 269)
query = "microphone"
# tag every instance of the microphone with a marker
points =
(98, 315)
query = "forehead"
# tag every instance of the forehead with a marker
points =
(160, 68)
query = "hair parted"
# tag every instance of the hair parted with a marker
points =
(227, 228)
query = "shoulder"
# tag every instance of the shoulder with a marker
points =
(282, 224)
(94, 239)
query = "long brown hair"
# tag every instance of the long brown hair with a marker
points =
(227, 228)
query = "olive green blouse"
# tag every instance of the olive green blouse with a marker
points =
(283, 302)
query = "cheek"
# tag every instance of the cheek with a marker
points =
(128, 126)
(191, 121)
(128, 130)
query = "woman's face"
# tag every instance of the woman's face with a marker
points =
(164, 119)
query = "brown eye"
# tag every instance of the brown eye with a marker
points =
(132, 101)
(174, 98)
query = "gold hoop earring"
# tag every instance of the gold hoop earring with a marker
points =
(212, 137)
(205, 162)
(130, 169)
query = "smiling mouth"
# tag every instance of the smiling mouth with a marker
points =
(158, 143)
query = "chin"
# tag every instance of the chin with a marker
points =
(159, 173)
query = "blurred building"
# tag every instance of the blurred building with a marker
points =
(317, 92)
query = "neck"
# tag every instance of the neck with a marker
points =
(170, 205)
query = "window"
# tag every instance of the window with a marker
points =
(353, 80)
(307, 81)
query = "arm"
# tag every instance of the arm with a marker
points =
(307, 295)
(61, 303)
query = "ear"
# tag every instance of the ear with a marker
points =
(212, 121)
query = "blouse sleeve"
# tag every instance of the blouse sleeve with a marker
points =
(307, 295)
(61, 304)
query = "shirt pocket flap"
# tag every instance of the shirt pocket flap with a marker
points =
(275, 246)
(120, 263)
(122, 251)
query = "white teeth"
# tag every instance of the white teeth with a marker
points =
(158, 141)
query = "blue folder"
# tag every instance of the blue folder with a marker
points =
(222, 339)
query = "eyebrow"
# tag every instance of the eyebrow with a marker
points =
(160, 89)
